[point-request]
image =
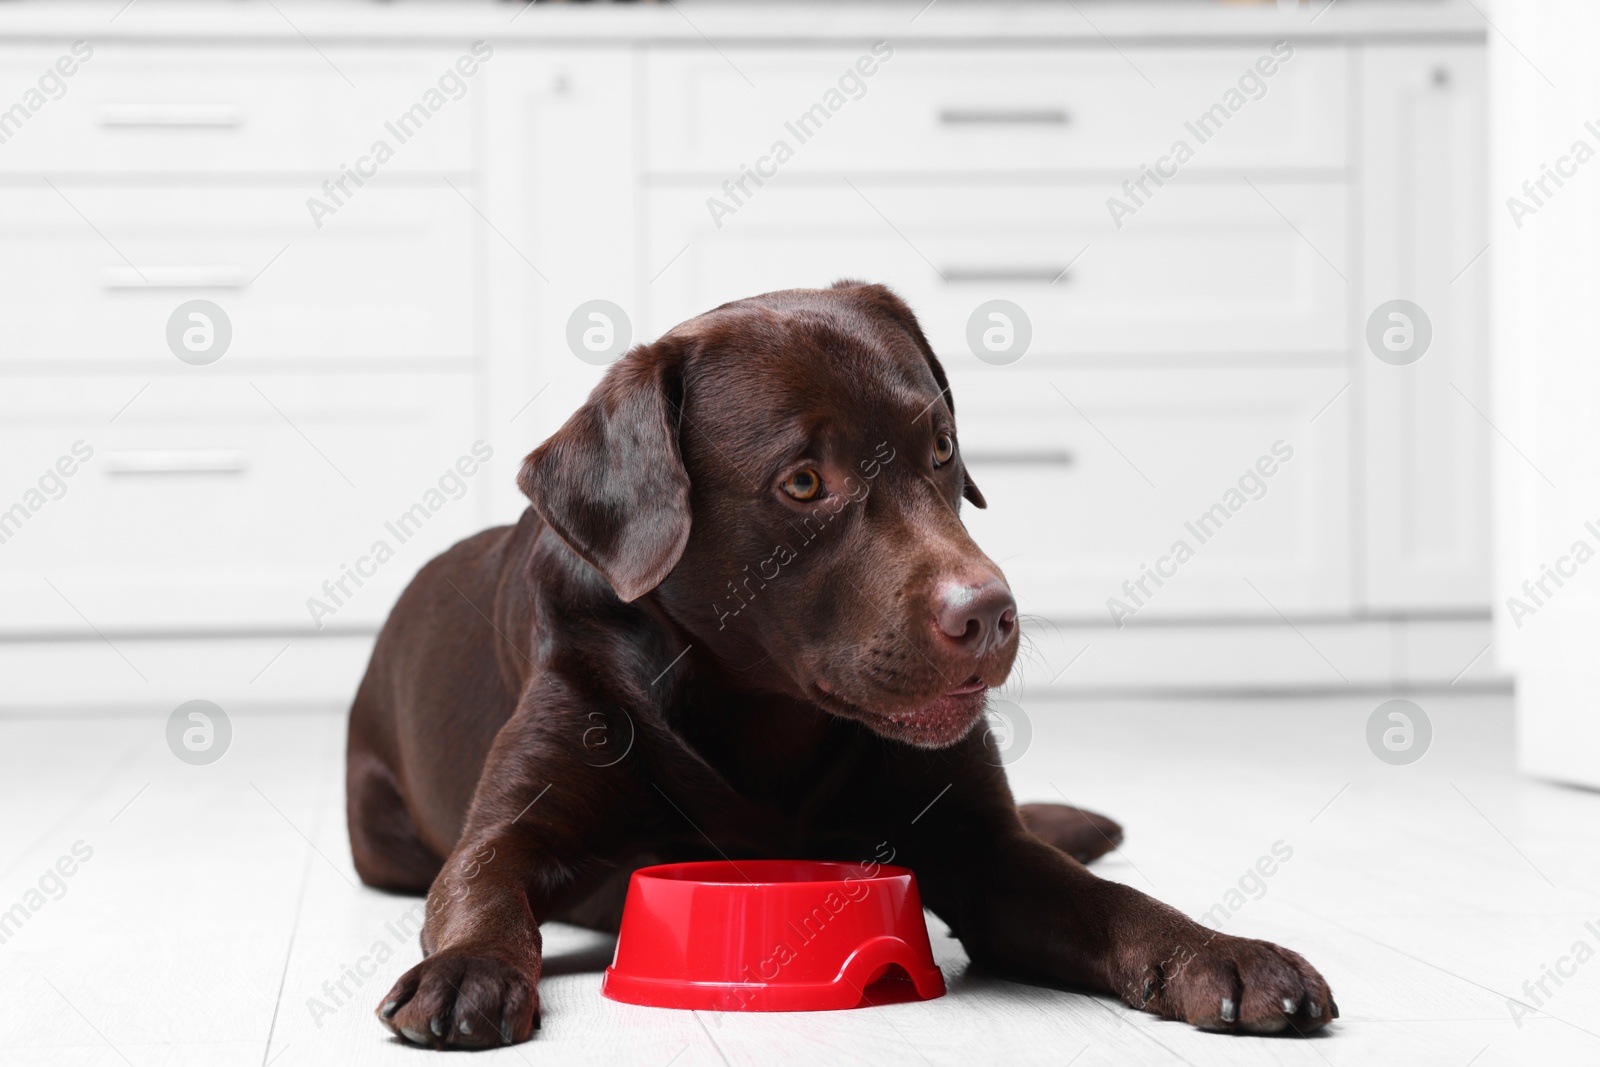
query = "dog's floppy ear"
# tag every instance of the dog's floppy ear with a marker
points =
(884, 300)
(611, 482)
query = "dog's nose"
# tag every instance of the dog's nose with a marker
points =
(976, 616)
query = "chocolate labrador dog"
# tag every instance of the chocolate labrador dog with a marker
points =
(742, 618)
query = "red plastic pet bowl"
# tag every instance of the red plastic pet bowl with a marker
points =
(769, 935)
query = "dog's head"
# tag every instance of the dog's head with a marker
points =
(782, 475)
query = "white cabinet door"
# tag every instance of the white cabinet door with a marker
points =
(1118, 495)
(558, 200)
(1425, 435)
(213, 109)
(391, 277)
(916, 109)
(1207, 271)
(219, 501)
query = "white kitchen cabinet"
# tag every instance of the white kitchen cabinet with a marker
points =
(1170, 353)
(1425, 430)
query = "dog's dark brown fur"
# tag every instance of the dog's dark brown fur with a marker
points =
(671, 657)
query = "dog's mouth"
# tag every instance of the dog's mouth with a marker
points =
(939, 723)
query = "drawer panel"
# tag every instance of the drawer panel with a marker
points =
(1093, 475)
(91, 272)
(1204, 268)
(971, 110)
(225, 501)
(138, 109)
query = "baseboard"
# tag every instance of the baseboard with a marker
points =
(157, 674)
(1294, 656)
(1213, 658)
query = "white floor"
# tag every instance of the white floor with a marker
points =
(219, 900)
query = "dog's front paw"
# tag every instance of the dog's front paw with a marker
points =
(1234, 984)
(455, 1000)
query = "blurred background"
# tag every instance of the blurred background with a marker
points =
(1271, 335)
(286, 291)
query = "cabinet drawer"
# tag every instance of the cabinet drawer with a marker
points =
(1203, 268)
(209, 110)
(972, 110)
(390, 275)
(225, 501)
(1093, 475)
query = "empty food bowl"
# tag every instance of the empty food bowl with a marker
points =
(770, 935)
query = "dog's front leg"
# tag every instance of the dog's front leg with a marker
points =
(1021, 905)
(478, 985)
(539, 810)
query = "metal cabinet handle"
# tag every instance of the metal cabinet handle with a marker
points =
(962, 275)
(176, 461)
(148, 115)
(176, 277)
(1022, 457)
(1004, 116)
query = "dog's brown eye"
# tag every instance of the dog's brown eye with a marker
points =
(944, 446)
(803, 484)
